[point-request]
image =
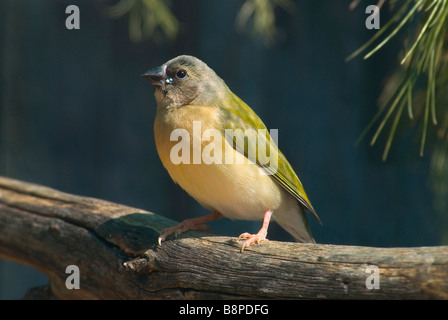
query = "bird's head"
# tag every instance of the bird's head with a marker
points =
(185, 80)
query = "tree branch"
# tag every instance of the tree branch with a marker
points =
(115, 248)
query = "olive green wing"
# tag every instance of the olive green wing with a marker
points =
(250, 136)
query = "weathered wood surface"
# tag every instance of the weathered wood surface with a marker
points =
(115, 248)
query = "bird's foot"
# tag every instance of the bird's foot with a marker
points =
(252, 238)
(182, 227)
(260, 236)
(195, 224)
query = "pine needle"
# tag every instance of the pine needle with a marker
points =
(427, 57)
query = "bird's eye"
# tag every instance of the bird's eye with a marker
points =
(181, 74)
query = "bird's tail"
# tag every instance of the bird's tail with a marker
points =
(295, 222)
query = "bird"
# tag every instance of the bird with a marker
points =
(197, 113)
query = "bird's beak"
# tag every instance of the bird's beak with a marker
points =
(156, 76)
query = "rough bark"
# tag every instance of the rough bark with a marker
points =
(115, 248)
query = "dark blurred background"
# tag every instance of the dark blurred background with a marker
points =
(75, 115)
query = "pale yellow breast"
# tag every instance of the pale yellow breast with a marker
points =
(238, 191)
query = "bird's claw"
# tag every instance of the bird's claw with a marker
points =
(251, 238)
(181, 228)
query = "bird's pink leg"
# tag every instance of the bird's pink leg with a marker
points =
(189, 224)
(260, 236)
